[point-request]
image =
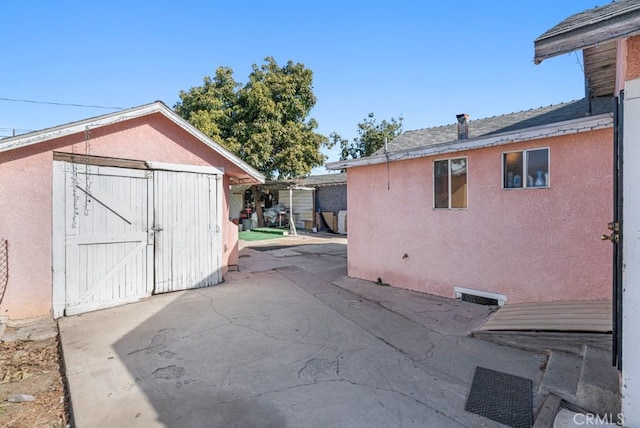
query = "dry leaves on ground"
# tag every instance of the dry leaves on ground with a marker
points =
(32, 368)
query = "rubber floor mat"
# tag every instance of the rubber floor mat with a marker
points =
(501, 397)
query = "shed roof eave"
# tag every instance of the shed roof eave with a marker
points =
(222, 151)
(574, 126)
(60, 131)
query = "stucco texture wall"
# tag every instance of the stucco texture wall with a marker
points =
(26, 186)
(331, 198)
(532, 245)
(633, 58)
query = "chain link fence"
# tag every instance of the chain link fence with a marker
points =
(4, 266)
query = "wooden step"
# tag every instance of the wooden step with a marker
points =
(583, 316)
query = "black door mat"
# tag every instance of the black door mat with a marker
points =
(501, 397)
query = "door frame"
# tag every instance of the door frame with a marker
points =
(616, 231)
(58, 250)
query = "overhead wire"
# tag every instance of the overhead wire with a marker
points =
(14, 131)
(61, 104)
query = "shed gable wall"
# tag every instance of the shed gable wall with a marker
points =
(26, 186)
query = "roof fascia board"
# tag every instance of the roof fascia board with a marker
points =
(76, 127)
(587, 36)
(575, 126)
(333, 183)
(296, 187)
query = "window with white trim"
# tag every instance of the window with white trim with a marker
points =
(450, 183)
(525, 169)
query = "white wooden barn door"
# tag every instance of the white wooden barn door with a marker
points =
(187, 230)
(108, 249)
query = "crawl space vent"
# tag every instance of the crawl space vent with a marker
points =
(480, 297)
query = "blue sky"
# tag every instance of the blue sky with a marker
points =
(425, 61)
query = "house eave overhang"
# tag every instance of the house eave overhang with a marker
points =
(339, 183)
(298, 187)
(284, 185)
(48, 134)
(575, 126)
(584, 36)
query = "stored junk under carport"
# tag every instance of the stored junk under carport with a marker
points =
(317, 202)
(281, 201)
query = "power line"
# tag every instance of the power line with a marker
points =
(15, 129)
(60, 104)
(12, 132)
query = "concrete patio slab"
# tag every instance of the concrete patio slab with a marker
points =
(281, 345)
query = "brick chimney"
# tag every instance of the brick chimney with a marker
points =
(463, 126)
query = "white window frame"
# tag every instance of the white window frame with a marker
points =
(524, 164)
(466, 159)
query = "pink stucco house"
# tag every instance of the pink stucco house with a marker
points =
(509, 207)
(112, 209)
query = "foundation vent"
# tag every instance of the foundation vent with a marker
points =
(479, 296)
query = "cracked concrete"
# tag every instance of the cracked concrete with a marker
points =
(285, 342)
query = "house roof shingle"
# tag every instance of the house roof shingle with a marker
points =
(589, 29)
(592, 16)
(499, 124)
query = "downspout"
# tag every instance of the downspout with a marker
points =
(386, 153)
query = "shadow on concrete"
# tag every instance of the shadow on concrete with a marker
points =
(182, 380)
(281, 348)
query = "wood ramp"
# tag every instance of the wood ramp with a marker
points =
(538, 327)
(587, 316)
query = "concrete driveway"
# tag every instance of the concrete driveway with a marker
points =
(288, 341)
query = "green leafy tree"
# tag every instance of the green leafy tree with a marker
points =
(212, 107)
(371, 137)
(266, 122)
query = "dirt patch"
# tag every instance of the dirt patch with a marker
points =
(32, 369)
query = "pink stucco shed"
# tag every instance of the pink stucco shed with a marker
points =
(26, 194)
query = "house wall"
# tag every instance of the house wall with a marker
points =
(331, 198)
(627, 61)
(632, 63)
(529, 244)
(26, 186)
